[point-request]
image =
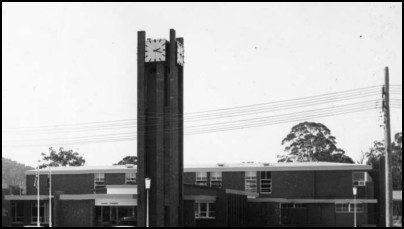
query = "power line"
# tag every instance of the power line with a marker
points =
(128, 123)
(220, 127)
(134, 138)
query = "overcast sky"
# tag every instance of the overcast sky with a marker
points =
(74, 63)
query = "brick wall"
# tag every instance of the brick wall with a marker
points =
(77, 213)
(291, 184)
(72, 183)
(114, 178)
(310, 184)
(189, 178)
(233, 180)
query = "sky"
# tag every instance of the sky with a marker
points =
(65, 65)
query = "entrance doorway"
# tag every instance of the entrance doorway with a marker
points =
(108, 216)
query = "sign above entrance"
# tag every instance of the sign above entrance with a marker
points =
(116, 202)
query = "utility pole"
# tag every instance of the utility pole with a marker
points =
(388, 159)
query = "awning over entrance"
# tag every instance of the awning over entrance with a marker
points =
(105, 199)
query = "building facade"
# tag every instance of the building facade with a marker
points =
(257, 194)
(296, 194)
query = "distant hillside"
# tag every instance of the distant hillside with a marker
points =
(13, 172)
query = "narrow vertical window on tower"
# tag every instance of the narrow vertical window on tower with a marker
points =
(216, 179)
(201, 178)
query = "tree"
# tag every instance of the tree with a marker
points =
(377, 151)
(61, 158)
(128, 160)
(310, 141)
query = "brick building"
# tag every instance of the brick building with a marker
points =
(256, 194)
(6, 219)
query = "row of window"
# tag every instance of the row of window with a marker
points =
(358, 179)
(348, 208)
(250, 180)
(17, 213)
(99, 179)
(339, 208)
(291, 205)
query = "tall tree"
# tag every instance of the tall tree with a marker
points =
(128, 160)
(61, 158)
(310, 141)
(377, 151)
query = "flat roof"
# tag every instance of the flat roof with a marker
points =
(85, 169)
(291, 166)
(220, 167)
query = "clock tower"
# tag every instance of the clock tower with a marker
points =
(160, 65)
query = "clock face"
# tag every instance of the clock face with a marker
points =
(155, 50)
(180, 54)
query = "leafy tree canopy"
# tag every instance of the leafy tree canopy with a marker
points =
(377, 151)
(61, 158)
(310, 141)
(128, 160)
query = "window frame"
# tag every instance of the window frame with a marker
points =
(130, 178)
(201, 180)
(98, 180)
(43, 219)
(269, 180)
(349, 208)
(216, 179)
(250, 181)
(208, 212)
(14, 213)
(357, 182)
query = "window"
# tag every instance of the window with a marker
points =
(130, 178)
(359, 208)
(216, 179)
(266, 182)
(291, 205)
(359, 178)
(348, 208)
(201, 178)
(251, 181)
(204, 210)
(17, 212)
(99, 180)
(43, 213)
(300, 206)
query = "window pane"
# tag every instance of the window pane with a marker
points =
(211, 210)
(203, 206)
(268, 175)
(250, 174)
